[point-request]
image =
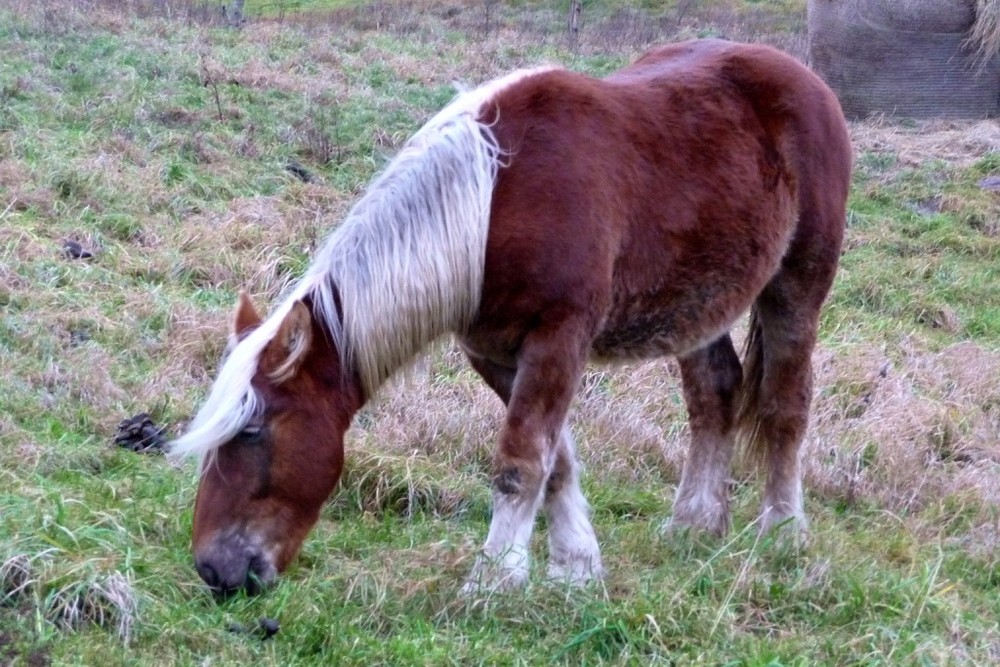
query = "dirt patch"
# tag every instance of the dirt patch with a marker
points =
(16, 651)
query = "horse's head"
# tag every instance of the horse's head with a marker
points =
(261, 491)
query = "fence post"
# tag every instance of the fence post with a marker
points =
(573, 25)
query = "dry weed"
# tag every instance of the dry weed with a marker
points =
(106, 601)
(16, 578)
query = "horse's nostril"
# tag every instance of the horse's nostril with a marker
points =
(208, 574)
(256, 575)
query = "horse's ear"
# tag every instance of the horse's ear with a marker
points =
(284, 354)
(246, 316)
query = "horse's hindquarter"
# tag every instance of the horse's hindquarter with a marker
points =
(658, 202)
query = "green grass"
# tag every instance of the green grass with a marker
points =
(938, 267)
(163, 147)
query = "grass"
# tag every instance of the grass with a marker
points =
(169, 149)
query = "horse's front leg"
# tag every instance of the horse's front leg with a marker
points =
(549, 365)
(574, 555)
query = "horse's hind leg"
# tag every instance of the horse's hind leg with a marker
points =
(774, 410)
(533, 452)
(711, 378)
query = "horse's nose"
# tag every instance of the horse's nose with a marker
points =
(227, 576)
(227, 573)
(223, 578)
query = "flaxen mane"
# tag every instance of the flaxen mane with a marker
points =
(406, 264)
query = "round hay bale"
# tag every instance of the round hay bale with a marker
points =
(916, 58)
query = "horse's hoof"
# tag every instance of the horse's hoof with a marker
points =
(674, 527)
(487, 579)
(577, 572)
(791, 532)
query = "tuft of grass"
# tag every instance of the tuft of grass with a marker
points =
(106, 601)
(15, 578)
(380, 483)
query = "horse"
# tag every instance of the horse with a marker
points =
(546, 219)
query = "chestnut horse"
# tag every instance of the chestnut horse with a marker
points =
(545, 219)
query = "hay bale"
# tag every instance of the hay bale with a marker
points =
(984, 35)
(920, 58)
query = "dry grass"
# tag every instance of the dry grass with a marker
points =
(899, 434)
(903, 433)
(108, 601)
(985, 33)
(84, 595)
(16, 578)
(956, 143)
(628, 422)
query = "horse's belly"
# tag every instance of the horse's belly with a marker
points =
(655, 334)
(678, 317)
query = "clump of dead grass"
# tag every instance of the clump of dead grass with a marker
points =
(105, 600)
(438, 409)
(984, 36)
(955, 143)
(16, 578)
(18, 448)
(380, 483)
(22, 192)
(903, 433)
(631, 423)
(257, 244)
(84, 594)
(194, 340)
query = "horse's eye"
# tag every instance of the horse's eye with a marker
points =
(250, 432)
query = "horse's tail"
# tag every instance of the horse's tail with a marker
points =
(749, 438)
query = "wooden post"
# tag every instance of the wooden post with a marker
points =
(573, 25)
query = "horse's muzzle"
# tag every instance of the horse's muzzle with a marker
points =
(227, 569)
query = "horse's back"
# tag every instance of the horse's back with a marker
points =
(660, 200)
(797, 110)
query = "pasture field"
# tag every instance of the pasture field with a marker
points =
(194, 160)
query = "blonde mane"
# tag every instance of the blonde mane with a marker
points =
(407, 265)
